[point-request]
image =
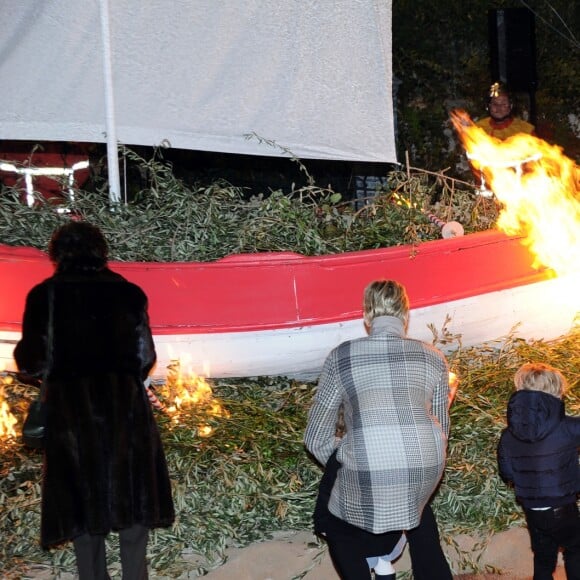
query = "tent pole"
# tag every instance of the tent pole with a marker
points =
(112, 151)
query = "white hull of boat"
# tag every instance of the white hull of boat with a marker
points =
(300, 352)
(281, 313)
(540, 310)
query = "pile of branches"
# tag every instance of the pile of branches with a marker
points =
(169, 221)
(252, 477)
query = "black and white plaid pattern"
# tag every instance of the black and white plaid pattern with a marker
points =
(395, 396)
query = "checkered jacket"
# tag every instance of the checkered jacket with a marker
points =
(395, 396)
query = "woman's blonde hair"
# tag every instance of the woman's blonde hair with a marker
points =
(385, 298)
(540, 377)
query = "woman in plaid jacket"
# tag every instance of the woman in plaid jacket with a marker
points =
(394, 392)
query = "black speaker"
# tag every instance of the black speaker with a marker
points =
(512, 48)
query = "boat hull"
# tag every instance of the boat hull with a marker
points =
(281, 313)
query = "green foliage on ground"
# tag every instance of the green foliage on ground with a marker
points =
(252, 477)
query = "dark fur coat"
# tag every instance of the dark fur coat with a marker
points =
(104, 466)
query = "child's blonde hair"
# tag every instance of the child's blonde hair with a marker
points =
(540, 377)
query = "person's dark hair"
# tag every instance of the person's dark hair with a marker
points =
(498, 89)
(78, 246)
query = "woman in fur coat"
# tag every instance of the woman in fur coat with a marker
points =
(104, 465)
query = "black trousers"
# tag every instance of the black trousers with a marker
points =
(549, 531)
(349, 551)
(349, 546)
(92, 560)
(427, 558)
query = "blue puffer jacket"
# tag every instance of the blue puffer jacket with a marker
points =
(538, 452)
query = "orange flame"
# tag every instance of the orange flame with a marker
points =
(7, 419)
(183, 390)
(538, 187)
(453, 386)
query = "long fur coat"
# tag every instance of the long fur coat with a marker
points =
(104, 466)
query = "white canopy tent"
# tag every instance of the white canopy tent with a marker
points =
(314, 77)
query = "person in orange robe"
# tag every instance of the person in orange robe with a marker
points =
(501, 122)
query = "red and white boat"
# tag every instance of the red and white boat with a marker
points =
(281, 313)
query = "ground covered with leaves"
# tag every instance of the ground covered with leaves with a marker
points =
(252, 476)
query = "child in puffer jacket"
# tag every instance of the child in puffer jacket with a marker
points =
(538, 454)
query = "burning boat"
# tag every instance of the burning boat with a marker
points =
(279, 313)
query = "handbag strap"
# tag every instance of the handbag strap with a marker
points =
(49, 339)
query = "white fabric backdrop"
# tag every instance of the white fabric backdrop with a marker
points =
(314, 76)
